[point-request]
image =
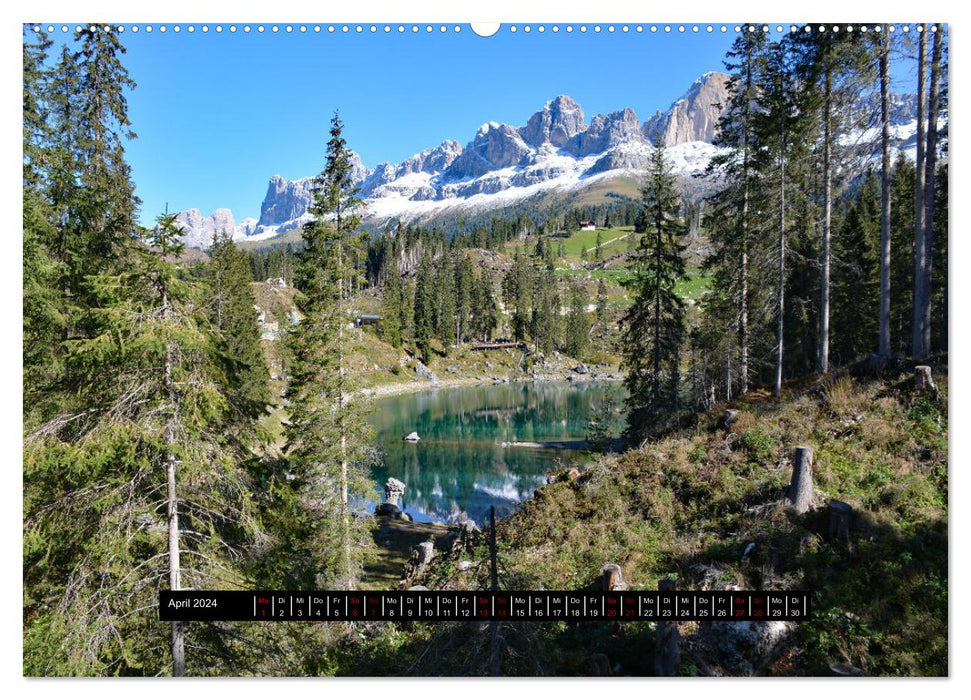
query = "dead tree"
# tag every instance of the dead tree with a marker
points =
(801, 487)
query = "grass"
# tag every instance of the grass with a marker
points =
(687, 505)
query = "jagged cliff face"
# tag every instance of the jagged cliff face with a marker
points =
(285, 201)
(557, 123)
(556, 150)
(694, 117)
(200, 230)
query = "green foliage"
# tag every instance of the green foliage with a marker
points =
(654, 325)
(234, 315)
(577, 322)
(147, 385)
(326, 436)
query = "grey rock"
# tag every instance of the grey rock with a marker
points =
(557, 123)
(285, 201)
(695, 116)
(422, 370)
(495, 146)
(607, 131)
(389, 510)
(742, 647)
(198, 230)
(394, 489)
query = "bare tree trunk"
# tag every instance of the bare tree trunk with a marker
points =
(345, 515)
(743, 271)
(921, 213)
(930, 166)
(823, 360)
(171, 463)
(781, 302)
(884, 342)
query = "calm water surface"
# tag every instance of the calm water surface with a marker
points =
(460, 468)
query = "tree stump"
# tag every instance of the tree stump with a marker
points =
(613, 578)
(800, 492)
(667, 655)
(426, 551)
(728, 418)
(393, 491)
(840, 515)
(924, 382)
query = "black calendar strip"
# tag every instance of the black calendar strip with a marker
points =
(451, 606)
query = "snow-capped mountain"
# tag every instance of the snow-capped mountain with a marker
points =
(557, 151)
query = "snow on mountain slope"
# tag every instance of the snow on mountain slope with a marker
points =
(556, 151)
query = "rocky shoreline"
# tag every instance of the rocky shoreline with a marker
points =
(579, 374)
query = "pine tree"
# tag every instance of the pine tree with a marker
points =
(327, 434)
(731, 216)
(485, 314)
(601, 320)
(445, 319)
(235, 316)
(424, 308)
(577, 323)
(140, 474)
(464, 283)
(856, 281)
(393, 302)
(654, 324)
(924, 245)
(830, 67)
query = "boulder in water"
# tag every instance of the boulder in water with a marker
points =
(412, 437)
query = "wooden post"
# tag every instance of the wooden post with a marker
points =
(667, 656)
(801, 487)
(494, 625)
(839, 522)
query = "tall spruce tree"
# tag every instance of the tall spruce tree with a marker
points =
(235, 317)
(424, 308)
(577, 322)
(327, 433)
(392, 320)
(654, 325)
(731, 216)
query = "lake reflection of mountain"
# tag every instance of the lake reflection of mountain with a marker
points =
(459, 467)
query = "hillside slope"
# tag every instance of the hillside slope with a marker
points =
(690, 505)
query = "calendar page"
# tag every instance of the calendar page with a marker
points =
(530, 349)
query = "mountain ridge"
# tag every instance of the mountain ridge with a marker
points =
(555, 150)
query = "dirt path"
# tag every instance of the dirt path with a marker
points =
(394, 539)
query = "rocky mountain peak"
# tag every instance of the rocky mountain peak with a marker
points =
(495, 146)
(694, 117)
(607, 131)
(557, 123)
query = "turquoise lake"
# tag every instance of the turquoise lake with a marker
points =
(459, 467)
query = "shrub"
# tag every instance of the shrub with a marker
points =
(758, 443)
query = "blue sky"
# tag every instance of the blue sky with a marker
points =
(218, 114)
